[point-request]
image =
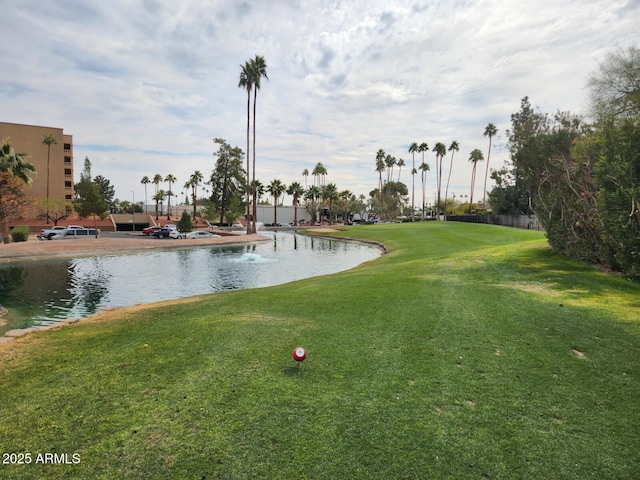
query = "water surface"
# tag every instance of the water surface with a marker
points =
(42, 292)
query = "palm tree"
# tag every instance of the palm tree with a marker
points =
(194, 181)
(441, 151)
(48, 141)
(454, 147)
(424, 168)
(158, 197)
(489, 131)
(305, 174)
(413, 148)
(475, 156)
(246, 82)
(170, 179)
(380, 168)
(258, 70)
(312, 195)
(157, 180)
(320, 173)
(145, 181)
(400, 165)
(13, 165)
(389, 162)
(276, 188)
(330, 195)
(296, 191)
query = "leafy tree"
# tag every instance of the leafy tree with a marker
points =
(227, 179)
(184, 225)
(107, 190)
(54, 210)
(14, 174)
(89, 198)
(48, 141)
(615, 87)
(490, 131)
(474, 157)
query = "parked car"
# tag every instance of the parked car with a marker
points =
(165, 232)
(200, 234)
(149, 230)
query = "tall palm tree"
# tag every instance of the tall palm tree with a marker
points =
(296, 191)
(258, 70)
(389, 161)
(424, 168)
(48, 141)
(319, 172)
(157, 180)
(276, 188)
(158, 197)
(145, 181)
(454, 147)
(400, 165)
(475, 156)
(246, 82)
(489, 131)
(441, 151)
(305, 174)
(194, 181)
(413, 148)
(380, 154)
(312, 195)
(170, 179)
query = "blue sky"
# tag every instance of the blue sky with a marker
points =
(145, 85)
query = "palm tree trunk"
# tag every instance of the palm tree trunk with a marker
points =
(248, 171)
(486, 173)
(255, 194)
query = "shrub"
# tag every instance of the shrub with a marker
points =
(20, 234)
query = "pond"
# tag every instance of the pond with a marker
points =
(42, 292)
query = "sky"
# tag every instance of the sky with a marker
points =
(144, 86)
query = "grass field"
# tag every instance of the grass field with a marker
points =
(468, 351)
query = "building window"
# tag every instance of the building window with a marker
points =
(67, 171)
(67, 159)
(67, 184)
(67, 146)
(67, 197)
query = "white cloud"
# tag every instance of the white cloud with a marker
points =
(144, 86)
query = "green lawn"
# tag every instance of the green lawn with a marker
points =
(468, 351)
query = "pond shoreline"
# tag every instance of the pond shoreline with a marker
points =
(38, 249)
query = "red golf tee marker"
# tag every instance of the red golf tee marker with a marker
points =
(299, 354)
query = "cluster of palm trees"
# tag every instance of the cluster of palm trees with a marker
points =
(195, 180)
(387, 162)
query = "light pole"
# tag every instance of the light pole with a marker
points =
(133, 211)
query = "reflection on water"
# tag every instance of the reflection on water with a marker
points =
(43, 292)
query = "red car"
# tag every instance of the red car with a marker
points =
(150, 230)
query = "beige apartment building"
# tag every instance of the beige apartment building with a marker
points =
(29, 139)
